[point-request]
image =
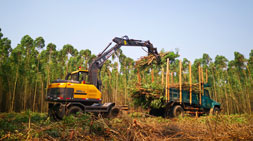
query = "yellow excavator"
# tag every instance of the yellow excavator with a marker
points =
(81, 89)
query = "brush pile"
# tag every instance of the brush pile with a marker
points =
(147, 96)
(146, 61)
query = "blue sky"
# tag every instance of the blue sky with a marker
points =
(216, 27)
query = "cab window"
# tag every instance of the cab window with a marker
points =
(206, 93)
(74, 76)
(83, 77)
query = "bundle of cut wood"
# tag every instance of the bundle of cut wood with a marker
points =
(148, 60)
(186, 87)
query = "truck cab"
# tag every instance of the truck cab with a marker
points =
(207, 102)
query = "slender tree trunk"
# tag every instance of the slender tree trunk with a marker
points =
(233, 95)
(214, 86)
(125, 90)
(226, 95)
(42, 95)
(1, 94)
(35, 94)
(9, 96)
(243, 96)
(190, 81)
(116, 87)
(180, 81)
(14, 90)
(25, 93)
(247, 91)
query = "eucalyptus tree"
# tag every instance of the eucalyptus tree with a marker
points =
(250, 62)
(244, 78)
(87, 55)
(206, 60)
(67, 51)
(81, 57)
(185, 67)
(106, 80)
(39, 43)
(51, 55)
(17, 64)
(5, 88)
(115, 77)
(27, 44)
(221, 64)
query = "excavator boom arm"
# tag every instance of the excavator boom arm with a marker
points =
(98, 62)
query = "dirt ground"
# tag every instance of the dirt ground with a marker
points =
(132, 126)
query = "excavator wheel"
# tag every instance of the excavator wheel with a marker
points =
(114, 112)
(73, 110)
(55, 112)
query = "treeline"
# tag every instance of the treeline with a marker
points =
(27, 69)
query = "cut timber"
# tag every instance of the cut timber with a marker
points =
(202, 81)
(190, 79)
(168, 80)
(162, 76)
(180, 81)
(199, 85)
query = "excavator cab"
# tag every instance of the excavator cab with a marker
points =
(81, 76)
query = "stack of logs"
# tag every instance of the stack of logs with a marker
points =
(152, 93)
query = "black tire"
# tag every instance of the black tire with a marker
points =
(177, 111)
(55, 113)
(73, 110)
(214, 111)
(114, 112)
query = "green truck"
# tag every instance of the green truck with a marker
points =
(196, 102)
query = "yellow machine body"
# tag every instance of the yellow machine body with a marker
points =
(75, 89)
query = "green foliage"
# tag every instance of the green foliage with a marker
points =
(13, 122)
(27, 69)
(158, 103)
(53, 132)
(148, 96)
(137, 115)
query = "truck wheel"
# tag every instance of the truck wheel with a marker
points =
(178, 111)
(73, 110)
(214, 111)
